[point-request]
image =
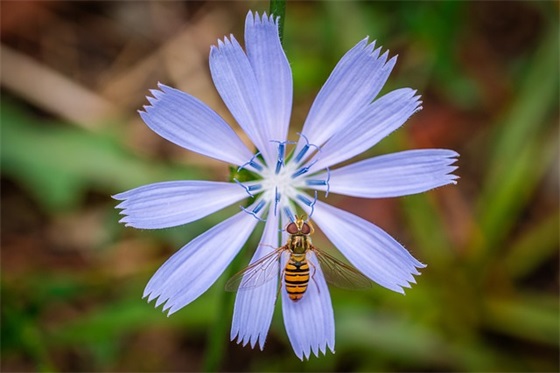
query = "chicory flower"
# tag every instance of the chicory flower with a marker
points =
(345, 120)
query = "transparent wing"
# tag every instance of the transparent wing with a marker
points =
(257, 273)
(341, 274)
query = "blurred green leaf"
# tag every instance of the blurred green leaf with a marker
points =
(518, 185)
(436, 27)
(428, 230)
(390, 334)
(21, 331)
(536, 245)
(124, 316)
(527, 317)
(519, 155)
(59, 163)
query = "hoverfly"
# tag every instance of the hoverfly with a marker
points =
(297, 272)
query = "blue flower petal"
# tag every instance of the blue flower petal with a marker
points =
(370, 249)
(188, 122)
(380, 118)
(272, 72)
(173, 203)
(240, 90)
(394, 175)
(310, 321)
(354, 83)
(196, 266)
(254, 307)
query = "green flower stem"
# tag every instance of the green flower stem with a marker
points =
(218, 335)
(278, 9)
(218, 339)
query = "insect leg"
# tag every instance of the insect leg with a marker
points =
(313, 275)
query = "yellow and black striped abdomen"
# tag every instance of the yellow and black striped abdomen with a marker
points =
(296, 276)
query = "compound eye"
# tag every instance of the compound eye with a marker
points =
(292, 228)
(305, 228)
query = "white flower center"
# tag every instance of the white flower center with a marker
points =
(283, 183)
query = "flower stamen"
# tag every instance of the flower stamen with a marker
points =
(281, 153)
(308, 202)
(249, 188)
(254, 212)
(289, 214)
(317, 182)
(303, 170)
(305, 148)
(252, 162)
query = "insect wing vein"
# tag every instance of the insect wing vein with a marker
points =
(257, 273)
(341, 274)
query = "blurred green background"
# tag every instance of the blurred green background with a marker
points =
(74, 74)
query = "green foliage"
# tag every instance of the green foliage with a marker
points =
(59, 163)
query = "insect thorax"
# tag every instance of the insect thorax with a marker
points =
(299, 243)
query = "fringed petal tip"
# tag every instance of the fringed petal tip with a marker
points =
(263, 19)
(451, 157)
(409, 281)
(169, 304)
(226, 42)
(316, 350)
(247, 339)
(163, 302)
(120, 196)
(376, 53)
(156, 95)
(403, 274)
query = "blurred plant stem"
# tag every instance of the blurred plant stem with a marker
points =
(278, 9)
(218, 334)
(217, 343)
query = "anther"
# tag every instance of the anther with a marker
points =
(276, 200)
(305, 148)
(315, 182)
(254, 212)
(251, 163)
(305, 200)
(302, 152)
(254, 187)
(249, 188)
(255, 165)
(308, 202)
(280, 161)
(259, 206)
(303, 170)
(281, 153)
(289, 214)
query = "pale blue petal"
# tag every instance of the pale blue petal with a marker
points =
(310, 321)
(381, 118)
(188, 122)
(172, 203)
(272, 72)
(353, 84)
(367, 247)
(196, 266)
(394, 175)
(240, 90)
(254, 306)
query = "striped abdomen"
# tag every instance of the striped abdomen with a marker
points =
(296, 276)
